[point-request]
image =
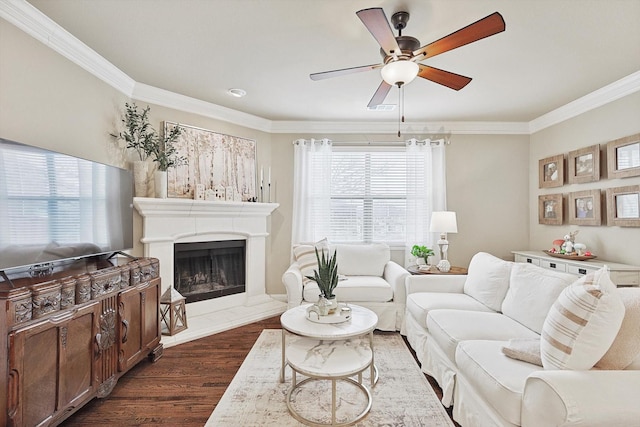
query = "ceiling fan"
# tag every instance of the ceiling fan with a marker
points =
(401, 54)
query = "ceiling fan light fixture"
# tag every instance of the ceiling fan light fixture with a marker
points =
(399, 72)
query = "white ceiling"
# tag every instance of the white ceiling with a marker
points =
(552, 52)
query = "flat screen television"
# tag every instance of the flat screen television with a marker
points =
(56, 207)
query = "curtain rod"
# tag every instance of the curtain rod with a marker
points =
(391, 143)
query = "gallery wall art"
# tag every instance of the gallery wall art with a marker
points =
(219, 166)
(587, 207)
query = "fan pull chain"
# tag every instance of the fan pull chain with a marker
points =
(401, 109)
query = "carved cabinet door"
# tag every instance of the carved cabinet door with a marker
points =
(139, 314)
(51, 365)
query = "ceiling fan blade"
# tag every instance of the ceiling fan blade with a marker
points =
(480, 29)
(445, 78)
(335, 73)
(376, 22)
(380, 95)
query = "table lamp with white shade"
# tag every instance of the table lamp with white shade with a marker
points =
(443, 222)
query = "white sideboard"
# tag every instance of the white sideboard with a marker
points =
(621, 274)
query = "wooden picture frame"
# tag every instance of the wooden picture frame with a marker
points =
(623, 157)
(584, 165)
(623, 206)
(550, 209)
(221, 167)
(584, 207)
(551, 172)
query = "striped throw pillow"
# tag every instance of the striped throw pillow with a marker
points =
(582, 323)
(305, 256)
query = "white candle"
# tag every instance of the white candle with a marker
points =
(269, 175)
(261, 176)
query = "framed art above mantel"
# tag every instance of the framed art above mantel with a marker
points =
(219, 166)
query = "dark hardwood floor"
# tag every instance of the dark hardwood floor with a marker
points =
(180, 389)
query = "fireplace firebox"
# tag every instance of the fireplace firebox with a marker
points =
(206, 270)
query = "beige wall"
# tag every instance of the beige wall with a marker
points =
(614, 120)
(47, 101)
(487, 181)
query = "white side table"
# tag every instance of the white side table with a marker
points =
(363, 321)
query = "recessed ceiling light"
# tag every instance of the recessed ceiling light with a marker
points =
(238, 93)
(382, 107)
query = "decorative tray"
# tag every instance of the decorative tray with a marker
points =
(330, 318)
(571, 257)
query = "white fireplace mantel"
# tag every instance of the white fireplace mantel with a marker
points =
(170, 221)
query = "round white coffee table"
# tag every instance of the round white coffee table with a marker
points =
(329, 361)
(362, 322)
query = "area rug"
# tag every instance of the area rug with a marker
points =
(402, 396)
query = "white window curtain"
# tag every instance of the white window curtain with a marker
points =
(426, 192)
(311, 189)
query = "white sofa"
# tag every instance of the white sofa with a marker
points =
(368, 278)
(459, 326)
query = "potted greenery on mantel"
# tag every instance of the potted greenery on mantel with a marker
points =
(145, 141)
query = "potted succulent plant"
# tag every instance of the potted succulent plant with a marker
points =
(422, 253)
(326, 276)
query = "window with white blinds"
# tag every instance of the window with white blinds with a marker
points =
(368, 195)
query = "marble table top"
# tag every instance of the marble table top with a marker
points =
(362, 322)
(329, 358)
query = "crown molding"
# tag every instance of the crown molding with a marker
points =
(165, 98)
(39, 26)
(33, 22)
(422, 128)
(616, 90)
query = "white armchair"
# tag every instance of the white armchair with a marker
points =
(368, 278)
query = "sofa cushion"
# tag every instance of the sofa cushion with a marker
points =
(449, 327)
(362, 260)
(498, 379)
(354, 289)
(582, 323)
(626, 346)
(532, 292)
(488, 279)
(421, 303)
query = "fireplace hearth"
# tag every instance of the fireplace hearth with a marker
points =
(207, 270)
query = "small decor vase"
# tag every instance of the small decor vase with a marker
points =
(160, 183)
(444, 266)
(333, 304)
(323, 306)
(140, 178)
